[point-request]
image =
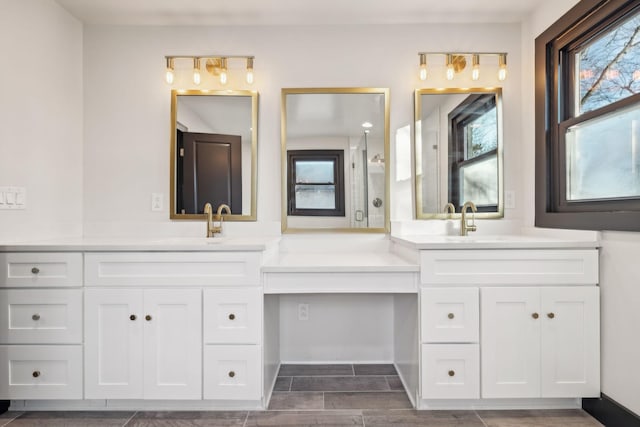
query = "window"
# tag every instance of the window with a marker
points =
(473, 163)
(588, 118)
(315, 182)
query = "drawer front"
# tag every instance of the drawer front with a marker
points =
(509, 267)
(40, 372)
(450, 315)
(232, 316)
(38, 269)
(172, 268)
(232, 372)
(41, 317)
(450, 371)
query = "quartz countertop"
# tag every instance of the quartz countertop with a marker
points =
(338, 262)
(480, 241)
(167, 244)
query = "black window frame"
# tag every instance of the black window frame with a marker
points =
(335, 156)
(554, 114)
(467, 111)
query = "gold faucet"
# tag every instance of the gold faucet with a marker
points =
(208, 210)
(449, 208)
(464, 226)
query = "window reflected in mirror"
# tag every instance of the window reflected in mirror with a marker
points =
(458, 151)
(213, 153)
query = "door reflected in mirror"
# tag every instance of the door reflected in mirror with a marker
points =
(458, 151)
(334, 173)
(213, 153)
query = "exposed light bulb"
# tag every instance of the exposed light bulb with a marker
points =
(196, 71)
(475, 70)
(502, 66)
(423, 66)
(250, 70)
(169, 76)
(450, 70)
(223, 71)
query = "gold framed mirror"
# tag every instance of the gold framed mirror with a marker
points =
(214, 141)
(335, 160)
(458, 152)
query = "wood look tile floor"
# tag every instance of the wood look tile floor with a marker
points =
(316, 395)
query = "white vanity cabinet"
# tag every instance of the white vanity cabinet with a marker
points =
(40, 325)
(143, 343)
(531, 316)
(540, 342)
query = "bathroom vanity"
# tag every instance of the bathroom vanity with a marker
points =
(193, 323)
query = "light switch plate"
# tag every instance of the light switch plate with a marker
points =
(13, 198)
(509, 199)
(157, 202)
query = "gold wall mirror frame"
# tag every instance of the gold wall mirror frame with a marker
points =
(214, 153)
(458, 151)
(335, 160)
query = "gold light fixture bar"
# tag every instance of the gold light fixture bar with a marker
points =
(214, 64)
(456, 62)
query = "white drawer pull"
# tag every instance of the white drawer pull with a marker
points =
(36, 374)
(36, 317)
(35, 270)
(452, 373)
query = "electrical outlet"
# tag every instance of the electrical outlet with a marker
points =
(510, 199)
(157, 202)
(303, 311)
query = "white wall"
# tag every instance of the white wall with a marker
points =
(619, 268)
(41, 118)
(127, 104)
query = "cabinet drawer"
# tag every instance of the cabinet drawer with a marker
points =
(38, 269)
(172, 268)
(510, 267)
(40, 372)
(450, 371)
(41, 316)
(450, 315)
(232, 372)
(232, 316)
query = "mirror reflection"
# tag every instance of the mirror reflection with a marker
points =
(213, 153)
(335, 146)
(458, 151)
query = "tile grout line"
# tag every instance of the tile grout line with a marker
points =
(130, 418)
(246, 418)
(479, 417)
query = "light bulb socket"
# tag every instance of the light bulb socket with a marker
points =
(502, 66)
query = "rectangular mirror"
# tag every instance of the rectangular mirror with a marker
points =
(458, 151)
(213, 153)
(335, 151)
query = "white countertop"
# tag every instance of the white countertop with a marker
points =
(473, 241)
(168, 244)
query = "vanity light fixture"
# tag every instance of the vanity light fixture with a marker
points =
(215, 65)
(456, 62)
(367, 125)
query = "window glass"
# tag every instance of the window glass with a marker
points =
(315, 196)
(479, 182)
(603, 157)
(481, 134)
(608, 68)
(314, 171)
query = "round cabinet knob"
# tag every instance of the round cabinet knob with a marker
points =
(452, 373)
(35, 270)
(36, 374)
(133, 317)
(451, 315)
(147, 317)
(36, 316)
(232, 316)
(232, 374)
(551, 315)
(535, 315)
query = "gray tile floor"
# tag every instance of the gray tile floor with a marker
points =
(316, 395)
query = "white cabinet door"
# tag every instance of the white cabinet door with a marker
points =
(510, 325)
(113, 343)
(173, 344)
(570, 342)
